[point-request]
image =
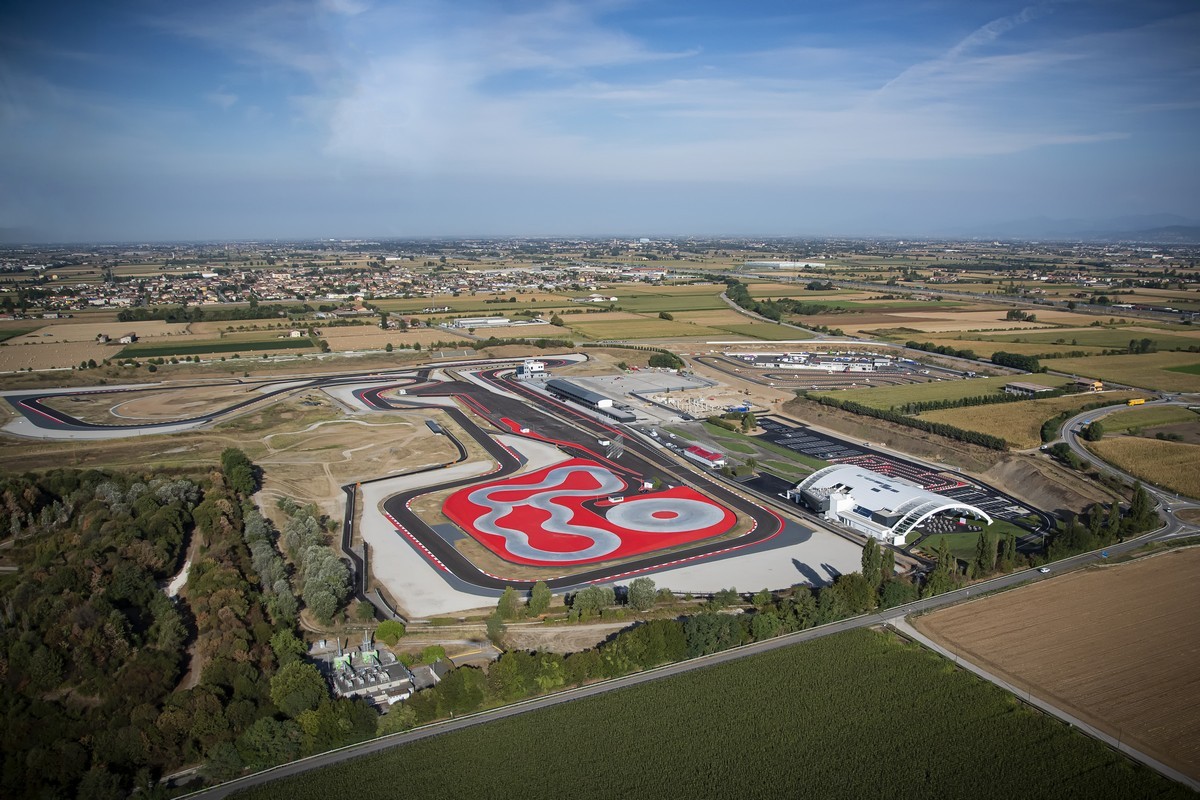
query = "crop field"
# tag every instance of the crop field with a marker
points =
(1112, 338)
(372, 338)
(1190, 369)
(1148, 417)
(1171, 465)
(1113, 645)
(189, 347)
(653, 303)
(1149, 370)
(1020, 423)
(983, 347)
(788, 723)
(767, 331)
(9, 333)
(61, 355)
(890, 396)
(637, 327)
(81, 331)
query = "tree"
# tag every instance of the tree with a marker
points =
(985, 554)
(297, 687)
(399, 718)
(539, 598)
(887, 565)
(641, 593)
(287, 647)
(896, 592)
(872, 562)
(495, 627)
(389, 632)
(1094, 432)
(509, 606)
(388, 348)
(556, 320)
(666, 315)
(761, 598)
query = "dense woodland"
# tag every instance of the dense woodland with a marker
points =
(108, 684)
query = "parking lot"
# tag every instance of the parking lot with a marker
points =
(804, 440)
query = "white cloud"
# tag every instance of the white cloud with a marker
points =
(221, 99)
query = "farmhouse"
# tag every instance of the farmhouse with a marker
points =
(707, 458)
(884, 507)
(1026, 389)
(1088, 385)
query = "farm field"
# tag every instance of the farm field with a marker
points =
(637, 327)
(1113, 645)
(1148, 417)
(889, 396)
(1020, 423)
(984, 347)
(1148, 370)
(88, 331)
(1111, 338)
(61, 355)
(190, 346)
(372, 338)
(1171, 465)
(807, 721)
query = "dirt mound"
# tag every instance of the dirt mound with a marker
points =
(1044, 484)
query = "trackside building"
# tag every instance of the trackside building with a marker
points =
(586, 397)
(884, 507)
(707, 458)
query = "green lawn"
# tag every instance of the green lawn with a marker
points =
(10, 333)
(832, 718)
(963, 545)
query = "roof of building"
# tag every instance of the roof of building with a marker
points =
(711, 455)
(897, 498)
(574, 390)
(1029, 387)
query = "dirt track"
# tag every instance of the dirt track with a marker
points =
(1116, 646)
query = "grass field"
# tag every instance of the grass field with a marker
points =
(1150, 370)
(194, 347)
(641, 328)
(1112, 646)
(767, 331)
(890, 396)
(963, 545)
(9, 333)
(1020, 423)
(1113, 338)
(1147, 417)
(790, 723)
(1188, 369)
(1171, 465)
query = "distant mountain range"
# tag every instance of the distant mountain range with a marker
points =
(1150, 228)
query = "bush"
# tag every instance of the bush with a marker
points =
(389, 632)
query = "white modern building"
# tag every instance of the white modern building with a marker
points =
(885, 507)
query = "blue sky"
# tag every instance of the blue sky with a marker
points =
(141, 119)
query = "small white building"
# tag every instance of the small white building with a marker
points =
(707, 458)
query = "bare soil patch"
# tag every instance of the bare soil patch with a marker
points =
(1114, 646)
(48, 355)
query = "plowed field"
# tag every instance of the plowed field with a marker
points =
(1114, 646)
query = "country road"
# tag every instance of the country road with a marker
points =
(878, 618)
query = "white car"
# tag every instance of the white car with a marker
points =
(1043, 570)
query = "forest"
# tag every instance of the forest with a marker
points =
(108, 683)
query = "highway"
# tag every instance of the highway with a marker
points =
(1169, 503)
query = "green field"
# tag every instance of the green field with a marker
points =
(1188, 369)
(1172, 372)
(890, 396)
(856, 715)
(190, 348)
(9, 333)
(1098, 337)
(1147, 417)
(648, 328)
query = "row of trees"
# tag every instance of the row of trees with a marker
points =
(1016, 361)
(965, 402)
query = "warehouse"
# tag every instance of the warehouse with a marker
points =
(1026, 389)
(884, 507)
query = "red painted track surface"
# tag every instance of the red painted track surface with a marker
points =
(584, 503)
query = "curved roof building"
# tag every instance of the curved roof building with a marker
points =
(882, 506)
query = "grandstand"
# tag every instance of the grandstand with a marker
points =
(886, 507)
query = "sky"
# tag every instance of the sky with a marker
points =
(156, 120)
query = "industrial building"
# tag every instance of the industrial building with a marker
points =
(886, 508)
(481, 322)
(587, 398)
(1026, 389)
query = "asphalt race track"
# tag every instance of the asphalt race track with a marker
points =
(578, 439)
